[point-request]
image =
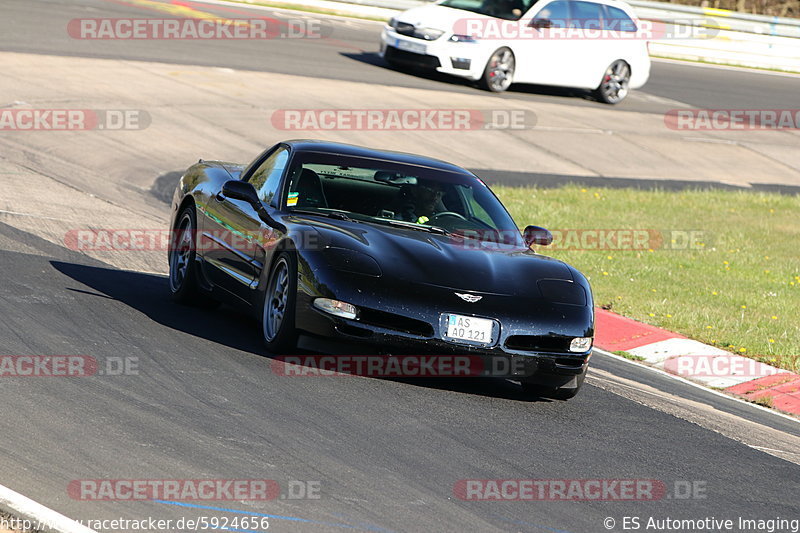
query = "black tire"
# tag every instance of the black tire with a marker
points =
(498, 75)
(559, 393)
(615, 85)
(182, 264)
(280, 298)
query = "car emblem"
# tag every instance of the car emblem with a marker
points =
(471, 298)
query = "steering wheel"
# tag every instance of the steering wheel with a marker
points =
(449, 214)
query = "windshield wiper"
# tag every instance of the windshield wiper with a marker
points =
(410, 225)
(339, 215)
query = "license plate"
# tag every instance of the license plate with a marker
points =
(409, 46)
(469, 329)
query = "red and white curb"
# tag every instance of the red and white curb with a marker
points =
(693, 360)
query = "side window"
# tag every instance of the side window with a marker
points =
(267, 177)
(477, 209)
(618, 20)
(556, 12)
(586, 15)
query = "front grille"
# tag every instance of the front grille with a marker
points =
(382, 319)
(538, 343)
(403, 56)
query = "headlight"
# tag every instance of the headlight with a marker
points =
(455, 38)
(392, 22)
(336, 308)
(427, 33)
(580, 344)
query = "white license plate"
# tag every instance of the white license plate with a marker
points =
(469, 329)
(409, 46)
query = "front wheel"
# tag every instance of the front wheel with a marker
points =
(499, 72)
(616, 81)
(182, 264)
(280, 296)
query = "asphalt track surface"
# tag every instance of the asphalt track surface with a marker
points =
(206, 402)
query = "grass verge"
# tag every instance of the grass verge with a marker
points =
(735, 284)
(628, 355)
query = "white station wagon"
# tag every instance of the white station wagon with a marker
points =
(593, 45)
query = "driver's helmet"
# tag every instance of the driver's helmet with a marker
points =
(417, 203)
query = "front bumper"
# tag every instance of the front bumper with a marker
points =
(356, 338)
(466, 60)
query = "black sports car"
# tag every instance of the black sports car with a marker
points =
(391, 252)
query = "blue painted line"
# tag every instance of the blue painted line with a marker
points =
(273, 516)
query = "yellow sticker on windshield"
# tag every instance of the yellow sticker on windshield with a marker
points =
(292, 199)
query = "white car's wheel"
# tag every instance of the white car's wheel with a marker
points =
(499, 72)
(616, 81)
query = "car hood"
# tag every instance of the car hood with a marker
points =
(437, 17)
(419, 257)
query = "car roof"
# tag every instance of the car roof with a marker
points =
(327, 147)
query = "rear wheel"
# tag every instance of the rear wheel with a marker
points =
(499, 72)
(616, 81)
(280, 297)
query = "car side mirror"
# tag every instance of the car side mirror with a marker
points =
(536, 235)
(241, 190)
(542, 23)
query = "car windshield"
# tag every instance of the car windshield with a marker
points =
(504, 9)
(395, 194)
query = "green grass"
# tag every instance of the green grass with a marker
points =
(628, 355)
(765, 401)
(739, 288)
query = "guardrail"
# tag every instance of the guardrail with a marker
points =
(731, 38)
(721, 18)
